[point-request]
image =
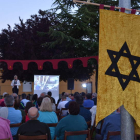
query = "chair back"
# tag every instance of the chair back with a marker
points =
(72, 133)
(52, 124)
(61, 111)
(89, 124)
(40, 137)
(15, 125)
(5, 139)
(113, 133)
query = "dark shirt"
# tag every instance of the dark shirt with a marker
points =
(34, 128)
(53, 100)
(85, 113)
(95, 101)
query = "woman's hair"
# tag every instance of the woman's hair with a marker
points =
(17, 104)
(74, 108)
(28, 106)
(34, 98)
(46, 104)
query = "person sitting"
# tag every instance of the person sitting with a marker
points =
(67, 97)
(62, 105)
(39, 101)
(83, 111)
(59, 100)
(5, 129)
(88, 103)
(43, 94)
(33, 127)
(50, 94)
(83, 94)
(28, 106)
(72, 122)
(13, 115)
(34, 100)
(111, 123)
(71, 96)
(93, 112)
(2, 104)
(94, 98)
(23, 101)
(46, 114)
(67, 104)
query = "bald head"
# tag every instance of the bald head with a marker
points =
(15, 95)
(33, 113)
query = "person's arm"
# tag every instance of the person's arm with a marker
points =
(58, 129)
(18, 83)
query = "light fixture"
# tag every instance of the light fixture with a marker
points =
(84, 85)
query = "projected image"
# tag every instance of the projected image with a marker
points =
(45, 83)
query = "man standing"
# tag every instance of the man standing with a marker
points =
(34, 127)
(15, 84)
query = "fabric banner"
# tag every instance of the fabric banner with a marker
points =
(119, 64)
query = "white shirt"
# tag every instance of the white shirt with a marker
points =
(93, 112)
(18, 83)
(62, 105)
(24, 101)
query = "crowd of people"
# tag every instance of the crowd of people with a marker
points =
(34, 114)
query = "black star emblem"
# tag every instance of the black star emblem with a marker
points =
(113, 68)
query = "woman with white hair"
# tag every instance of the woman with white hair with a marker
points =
(46, 114)
(15, 84)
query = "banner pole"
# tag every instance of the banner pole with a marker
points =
(127, 121)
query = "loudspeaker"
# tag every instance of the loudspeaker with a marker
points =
(70, 84)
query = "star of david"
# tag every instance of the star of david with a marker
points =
(113, 68)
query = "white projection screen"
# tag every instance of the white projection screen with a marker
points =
(45, 83)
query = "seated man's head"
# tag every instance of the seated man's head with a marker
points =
(63, 98)
(76, 94)
(23, 96)
(5, 94)
(49, 93)
(83, 94)
(74, 108)
(94, 95)
(34, 97)
(9, 101)
(33, 113)
(79, 99)
(15, 95)
(71, 96)
(43, 94)
(88, 96)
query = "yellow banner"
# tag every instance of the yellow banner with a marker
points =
(119, 64)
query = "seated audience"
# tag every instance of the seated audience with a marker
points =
(50, 94)
(13, 115)
(94, 98)
(111, 123)
(34, 100)
(83, 111)
(33, 127)
(88, 103)
(72, 122)
(39, 101)
(28, 106)
(23, 101)
(47, 115)
(62, 105)
(2, 104)
(5, 129)
(67, 104)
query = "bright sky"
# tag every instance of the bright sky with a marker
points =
(11, 10)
